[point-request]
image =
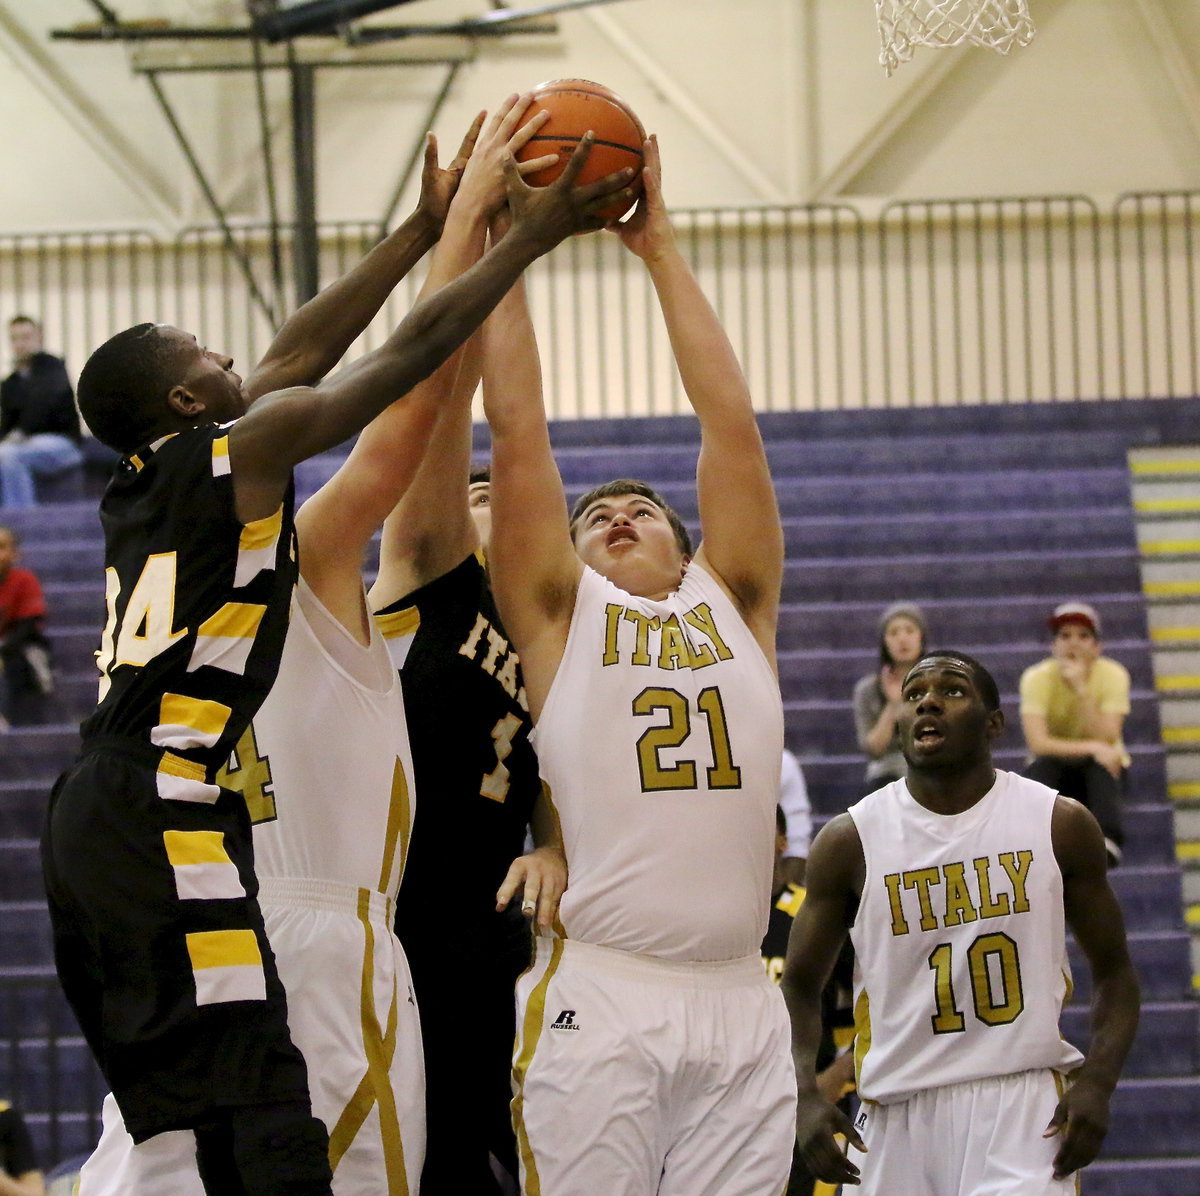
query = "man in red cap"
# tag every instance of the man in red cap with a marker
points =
(1073, 706)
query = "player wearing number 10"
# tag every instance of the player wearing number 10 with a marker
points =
(955, 887)
(652, 1048)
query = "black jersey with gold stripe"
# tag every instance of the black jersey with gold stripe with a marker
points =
(197, 608)
(475, 772)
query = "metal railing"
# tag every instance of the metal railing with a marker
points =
(929, 302)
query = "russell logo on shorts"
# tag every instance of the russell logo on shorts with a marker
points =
(565, 1021)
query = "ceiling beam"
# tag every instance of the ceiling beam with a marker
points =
(81, 113)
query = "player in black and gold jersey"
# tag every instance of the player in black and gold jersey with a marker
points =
(159, 940)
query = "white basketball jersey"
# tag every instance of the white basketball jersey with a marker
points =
(330, 759)
(660, 741)
(961, 964)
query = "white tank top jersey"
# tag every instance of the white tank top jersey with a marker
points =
(961, 966)
(660, 742)
(333, 723)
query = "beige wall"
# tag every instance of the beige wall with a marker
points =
(759, 101)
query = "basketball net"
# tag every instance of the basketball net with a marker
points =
(906, 24)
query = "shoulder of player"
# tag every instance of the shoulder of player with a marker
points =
(836, 858)
(1076, 836)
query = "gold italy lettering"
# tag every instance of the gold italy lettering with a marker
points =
(922, 879)
(641, 642)
(507, 676)
(674, 651)
(960, 907)
(989, 906)
(701, 617)
(471, 645)
(612, 618)
(899, 925)
(1016, 864)
(497, 644)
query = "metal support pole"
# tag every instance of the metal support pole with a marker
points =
(304, 175)
(416, 158)
(218, 212)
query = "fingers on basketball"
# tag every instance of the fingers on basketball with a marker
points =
(575, 107)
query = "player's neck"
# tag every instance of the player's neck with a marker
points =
(951, 791)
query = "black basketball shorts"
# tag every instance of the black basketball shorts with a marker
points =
(160, 946)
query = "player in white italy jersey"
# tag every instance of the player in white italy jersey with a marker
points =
(956, 886)
(326, 771)
(652, 1049)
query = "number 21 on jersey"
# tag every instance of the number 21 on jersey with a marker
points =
(658, 775)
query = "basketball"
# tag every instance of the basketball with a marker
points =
(575, 106)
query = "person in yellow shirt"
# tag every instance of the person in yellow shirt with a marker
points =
(1073, 707)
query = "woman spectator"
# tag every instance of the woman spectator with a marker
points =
(877, 695)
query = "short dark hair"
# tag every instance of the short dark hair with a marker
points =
(632, 486)
(480, 473)
(985, 683)
(123, 384)
(23, 319)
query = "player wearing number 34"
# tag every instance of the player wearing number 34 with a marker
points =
(955, 886)
(652, 1048)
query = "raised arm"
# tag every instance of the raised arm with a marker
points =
(431, 529)
(337, 523)
(1095, 918)
(532, 561)
(741, 537)
(834, 882)
(289, 426)
(313, 340)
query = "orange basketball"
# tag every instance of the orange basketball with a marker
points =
(575, 106)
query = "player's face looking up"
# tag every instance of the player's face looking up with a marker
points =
(207, 376)
(943, 721)
(479, 500)
(628, 539)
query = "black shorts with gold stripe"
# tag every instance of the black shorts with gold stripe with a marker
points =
(160, 945)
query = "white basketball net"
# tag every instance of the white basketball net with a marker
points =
(906, 24)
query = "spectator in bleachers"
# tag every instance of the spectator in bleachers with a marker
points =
(1073, 708)
(24, 649)
(902, 631)
(39, 424)
(19, 1171)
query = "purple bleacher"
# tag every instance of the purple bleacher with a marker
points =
(986, 516)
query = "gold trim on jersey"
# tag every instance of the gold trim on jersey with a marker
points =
(137, 463)
(531, 1032)
(224, 640)
(862, 1032)
(226, 966)
(257, 543)
(185, 722)
(376, 1086)
(399, 828)
(179, 779)
(398, 622)
(203, 869)
(220, 457)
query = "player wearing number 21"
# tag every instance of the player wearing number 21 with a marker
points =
(652, 1049)
(955, 886)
